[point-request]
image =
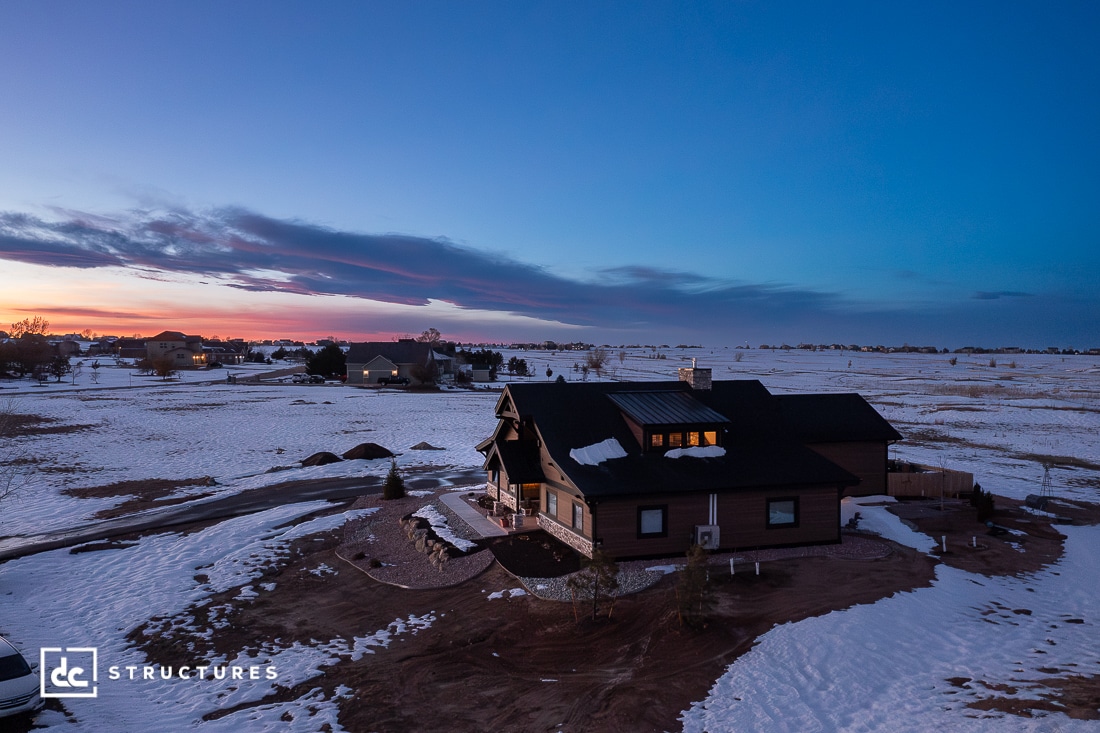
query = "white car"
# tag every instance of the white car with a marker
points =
(18, 682)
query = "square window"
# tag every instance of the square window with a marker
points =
(657, 440)
(693, 439)
(710, 437)
(782, 513)
(675, 440)
(552, 504)
(653, 521)
(578, 517)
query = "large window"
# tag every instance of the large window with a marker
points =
(552, 504)
(653, 521)
(657, 440)
(675, 440)
(782, 513)
(578, 517)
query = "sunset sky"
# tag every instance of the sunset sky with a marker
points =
(614, 172)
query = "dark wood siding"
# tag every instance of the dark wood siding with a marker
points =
(617, 524)
(742, 518)
(866, 460)
(742, 521)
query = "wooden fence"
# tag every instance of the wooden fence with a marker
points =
(914, 479)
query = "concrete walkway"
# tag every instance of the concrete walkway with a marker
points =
(478, 522)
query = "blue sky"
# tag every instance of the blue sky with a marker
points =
(620, 172)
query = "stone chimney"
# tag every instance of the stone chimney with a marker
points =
(697, 377)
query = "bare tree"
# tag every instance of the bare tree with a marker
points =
(431, 336)
(12, 464)
(164, 367)
(36, 326)
(597, 359)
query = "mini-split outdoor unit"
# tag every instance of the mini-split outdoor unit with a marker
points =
(706, 536)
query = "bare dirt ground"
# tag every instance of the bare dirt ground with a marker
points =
(524, 664)
(519, 663)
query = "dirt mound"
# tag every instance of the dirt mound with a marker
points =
(425, 446)
(321, 459)
(368, 452)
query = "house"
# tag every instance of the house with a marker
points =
(370, 361)
(646, 469)
(845, 429)
(128, 348)
(184, 351)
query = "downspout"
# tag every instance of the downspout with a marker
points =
(595, 535)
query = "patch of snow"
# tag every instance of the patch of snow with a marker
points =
(594, 455)
(442, 528)
(880, 521)
(513, 592)
(663, 569)
(697, 451)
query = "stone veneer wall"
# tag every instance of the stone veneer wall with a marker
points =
(698, 377)
(566, 535)
(509, 499)
(492, 490)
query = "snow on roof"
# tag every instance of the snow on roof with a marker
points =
(594, 455)
(697, 451)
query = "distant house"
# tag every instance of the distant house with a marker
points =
(184, 351)
(647, 469)
(128, 348)
(371, 361)
(66, 347)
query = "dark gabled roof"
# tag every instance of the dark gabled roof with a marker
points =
(665, 408)
(759, 452)
(834, 418)
(398, 352)
(519, 458)
(169, 336)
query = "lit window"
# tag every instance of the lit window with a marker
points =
(710, 438)
(552, 504)
(693, 439)
(675, 440)
(578, 517)
(657, 440)
(652, 521)
(782, 513)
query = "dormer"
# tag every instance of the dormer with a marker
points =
(665, 419)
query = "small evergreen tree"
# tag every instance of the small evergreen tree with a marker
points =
(598, 577)
(693, 596)
(394, 486)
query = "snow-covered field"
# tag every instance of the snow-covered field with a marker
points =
(882, 666)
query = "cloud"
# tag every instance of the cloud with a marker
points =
(497, 296)
(244, 250)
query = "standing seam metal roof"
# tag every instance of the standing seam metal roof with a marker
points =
(665, 408)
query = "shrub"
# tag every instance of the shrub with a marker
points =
(394, 486)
